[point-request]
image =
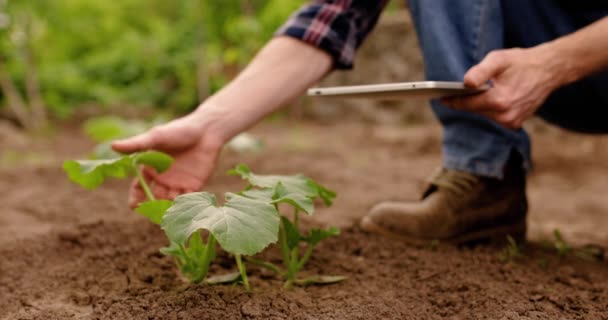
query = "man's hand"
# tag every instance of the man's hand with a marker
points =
(195, 154)
(522, 79)
(279, 73)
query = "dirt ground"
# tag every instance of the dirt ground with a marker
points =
(72, 254)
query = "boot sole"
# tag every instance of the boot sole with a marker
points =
(517, 231)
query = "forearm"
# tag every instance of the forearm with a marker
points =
(579, 54)
(279, 73)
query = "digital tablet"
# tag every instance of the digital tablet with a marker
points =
(399, 90)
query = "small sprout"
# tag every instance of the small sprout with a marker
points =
(511, 252)
(299, 192)
(591, 253)
(242, 226)
(434, 244)
(542, 262)
(562, 247)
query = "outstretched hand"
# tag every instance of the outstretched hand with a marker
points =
(522, 79)
(195, 156)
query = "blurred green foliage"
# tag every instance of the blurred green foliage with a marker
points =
(168, 54)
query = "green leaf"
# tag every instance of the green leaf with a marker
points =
(319, 280)
(266, 194)
(297, 184)
(175, 251)
(291, 232)
(298, 200)
(171, 250)
(154, 210)
(241, 226)
(105, 129)
(317, 235)
(241, 170)
(224, 278)
(104, 151)
(281, 195)
(155, 159)
(92, 173)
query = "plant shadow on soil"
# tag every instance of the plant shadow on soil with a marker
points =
(72, 254)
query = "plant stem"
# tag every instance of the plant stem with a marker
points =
(270, 266)
(305, 257)
(292, 269)
(296, 219)
(293, 263)
(144, 185)
(284, 246)
(206, 259)
(243, 271)
(283, 241)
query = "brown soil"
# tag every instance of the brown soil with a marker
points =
(72, 254)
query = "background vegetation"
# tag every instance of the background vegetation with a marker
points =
(59, 54)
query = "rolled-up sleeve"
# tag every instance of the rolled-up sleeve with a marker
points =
(335, 26)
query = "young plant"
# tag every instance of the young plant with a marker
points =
(92, 173)
(194, 259)
(511, 252)
(242, 226)
(587, 252)
(300, 193)
(562, 247)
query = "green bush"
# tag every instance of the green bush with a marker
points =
(166, 54)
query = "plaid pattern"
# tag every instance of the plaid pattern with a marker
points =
(336, 26)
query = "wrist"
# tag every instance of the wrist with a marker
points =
(209, 118)
(561, 62)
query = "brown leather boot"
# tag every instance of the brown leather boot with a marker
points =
(457, 207)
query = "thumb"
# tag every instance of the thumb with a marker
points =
(491, 66)
(140, 142)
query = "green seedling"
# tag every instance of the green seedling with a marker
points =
(105, 163)
(92, 173)
(511, 252)
(542, 262)
(242, 227)
(300, 193)
(193, 259)
(562, 247)
(588, 252)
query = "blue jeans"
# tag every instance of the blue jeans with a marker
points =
(456, 34)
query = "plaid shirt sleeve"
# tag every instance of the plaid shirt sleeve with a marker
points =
(336, 26)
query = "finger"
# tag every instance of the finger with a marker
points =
(491, 66)
(474, 103)
(160, 191)
(140, 142)
(188, 190)
(173, 193)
